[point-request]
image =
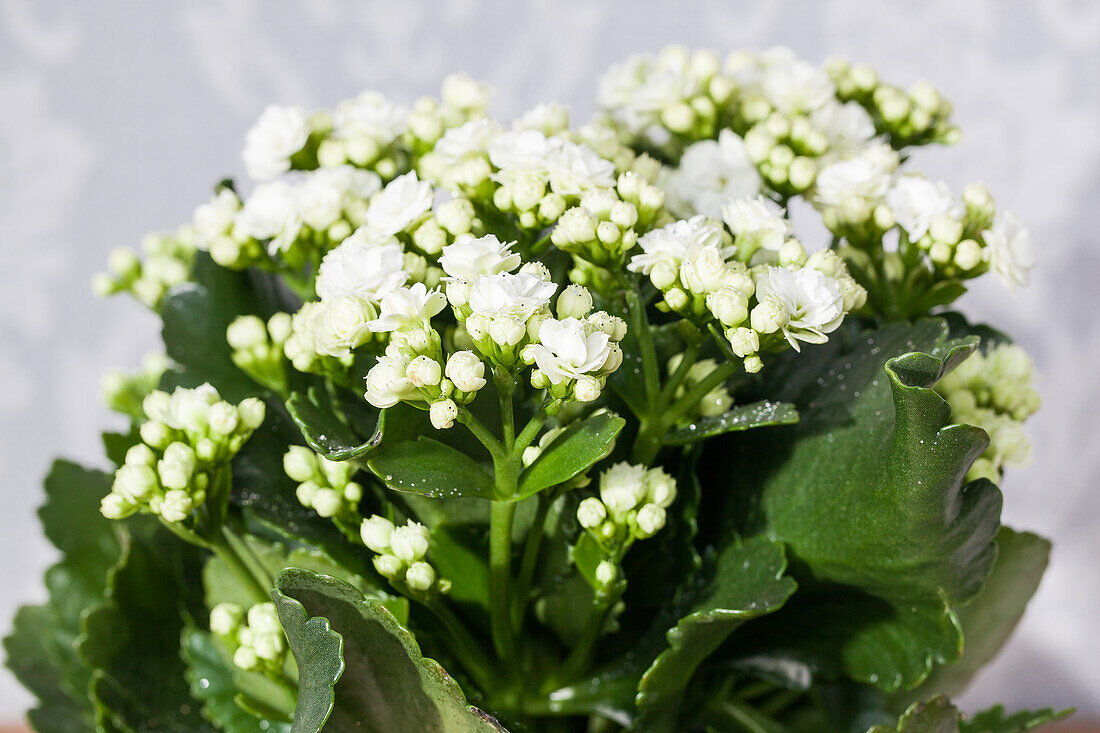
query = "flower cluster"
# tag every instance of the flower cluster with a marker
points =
(323, 485)
(631, 506)
(258, 348)
(916, 116)
(124, 391)
(255, 639)
(400, 553)
(188, 437)
(758, 285)
(168, 261)
(995, 390)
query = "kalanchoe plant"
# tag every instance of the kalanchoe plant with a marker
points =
(569, 413)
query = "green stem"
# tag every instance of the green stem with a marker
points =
(732, 716)
(580, 655)
(530, 430)
(640, 325)
(249, 559)
(530, 557)
(482, 433)
(668, 391)
(469, 652)
(653, 427)
(240, 569)
(506, 385)
(502, 514)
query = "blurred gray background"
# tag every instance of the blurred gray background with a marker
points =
(117, 117)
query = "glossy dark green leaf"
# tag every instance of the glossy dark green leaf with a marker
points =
(134, 642)
(324, 431)
(29, 656)
(211, 677)
(995, 720)
(937, 715)
(41, 648)
(742, 417)
(582, 445)
(748, 582)
(428, 467)
(875, 456)
(196, 315)
(989, 619)
(360, 669)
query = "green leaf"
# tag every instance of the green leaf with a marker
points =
(29, 657)
(134, 642)
(994, 720)
(578, 448)
(316, 416)
(748, 582)
(937, 715)
(362, 670)
(428, 467)
(875, 457)
(741, 417)
(211, 678)
(196, 315)
(988, 620)
(41, 648)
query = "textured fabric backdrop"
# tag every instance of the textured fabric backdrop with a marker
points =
(117, 117)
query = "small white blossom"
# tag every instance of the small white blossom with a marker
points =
(865, 176)
(409, 542)
(466, 371)
(278, 134)
(575, 169)
(363, 268)
(369, 114)
(376, 532)
(679, 241)
(916, 201)
(404, 200)
(811, 302)
(345, 325)
(568, 349)
(271, 212)
(847, 127)
(470, 257)
(526, 150)
(710, 173)
(324, 193)
(1010, 249)
(443, 414)
(410, 307)
(794, 86)
(386, 381)
(760, 218)
(510, 295)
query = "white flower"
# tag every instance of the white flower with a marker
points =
(361, 268)
(591, 513)
(407, 308)
(271, 212)
(1010, 249)
(473, 138)
(215, 218)
(399, 204)
(410, 541)
(794, 86)
(443, 414)
(526, 150)
(546, 118)
(376, 532)
(575, 169)
(679, 241)
(462, 92)
(466, 371)
(369, 114)
(324, 193)
(510, 295)
(848, 127)
(420, 576)
(866, 176)
(760, 218)
(386, 382)
(345, 325)
(567, 349)
(916, 201)
(279, 133)
(811, 300)
(711, 172)
(470, 257)
(622, 486)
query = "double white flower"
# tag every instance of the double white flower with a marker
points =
(916, 202)
(363, 267)
(805, 304)
(710, 173)
(277, 135)
(403, 201)
(1009, 249)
